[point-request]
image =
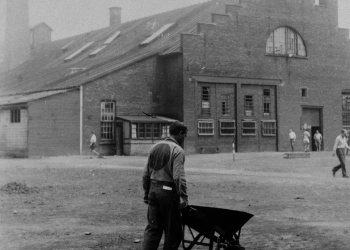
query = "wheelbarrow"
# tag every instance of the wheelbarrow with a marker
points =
(219, 226)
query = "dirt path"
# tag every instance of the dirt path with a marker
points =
(90, 203)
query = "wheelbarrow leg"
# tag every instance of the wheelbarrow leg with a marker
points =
(211, 243)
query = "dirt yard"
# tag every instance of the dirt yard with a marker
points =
(90, 203)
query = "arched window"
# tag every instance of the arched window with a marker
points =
(285, 41)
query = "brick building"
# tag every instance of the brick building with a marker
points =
(243, 71)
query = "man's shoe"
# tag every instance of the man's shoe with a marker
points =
(345, 176)
(333, 173)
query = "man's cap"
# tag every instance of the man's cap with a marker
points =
(177, 127)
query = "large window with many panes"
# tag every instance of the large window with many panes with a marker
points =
(149, 130)
(205, 127)
(248, 127)
(205, 95)
(268, 128)
(285, 41)
(346, 111)
(107, 120)
(227, 127)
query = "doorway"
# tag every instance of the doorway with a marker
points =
(313, 141)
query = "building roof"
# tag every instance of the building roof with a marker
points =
(47, 70)
(41, 24)
(144, 118)
(24, 98)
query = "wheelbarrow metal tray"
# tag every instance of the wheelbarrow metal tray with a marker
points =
(224, 221)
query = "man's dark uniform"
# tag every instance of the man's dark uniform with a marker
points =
(164, 183)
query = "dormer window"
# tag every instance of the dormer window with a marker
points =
(285, 42)
(321, 3)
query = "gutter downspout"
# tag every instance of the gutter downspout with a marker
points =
(81, 121)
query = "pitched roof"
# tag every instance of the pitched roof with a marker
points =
(47, 69)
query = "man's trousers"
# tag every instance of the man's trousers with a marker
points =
(163, 215)
(341, 156)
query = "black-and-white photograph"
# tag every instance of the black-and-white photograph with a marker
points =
(174, 124)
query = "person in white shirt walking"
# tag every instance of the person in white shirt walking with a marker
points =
(306, 140)
(318, 140)
(339, 148)
(93, 144)
(292, 138)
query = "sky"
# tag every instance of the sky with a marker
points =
(71, 17)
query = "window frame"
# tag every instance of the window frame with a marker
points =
(225, 105)
(267, 102)
(346, 111)
(221, 128)
(205, 100)
(107, 120)
(205, 121)
(322, 3)
(247, 105)
(255, 128)
(291, 43)
(263, 128)
(302, 92)
(163, 131)
(15, 115)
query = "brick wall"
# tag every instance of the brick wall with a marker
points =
(236, 47)
(135, 88)
(13, 136)
(53, 126)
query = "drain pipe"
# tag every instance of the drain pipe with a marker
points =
(81, 121)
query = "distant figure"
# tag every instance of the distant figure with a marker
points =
(318, 140)
(339, 148)
(306, 140)
(233, 152)
(93, 144)
(292, 138)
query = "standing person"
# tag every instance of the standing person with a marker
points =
(318, 140)
(164, 184)
(339, 148)
(233, 152)
(93, 144)
(306, 140)
(292, 138)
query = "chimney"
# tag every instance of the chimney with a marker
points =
(40, 34)
(115, 16)
(17, 33)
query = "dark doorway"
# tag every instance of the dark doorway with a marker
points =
(119, 138)
(313, 132)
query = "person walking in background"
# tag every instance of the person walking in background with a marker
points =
(318, 140)
(292, 138)
(306, 140)
(164, 184)
(339, 148)
(93, 144)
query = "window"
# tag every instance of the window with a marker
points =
(206, 100)
(321, 3)
(303, 92)
(107, 120)
(269, 128)
(205, 127)
(15, 115)
(225, 105)
(248, 128)
(248, 105)
(346, 111)
(285, 41)
(267, 101)
(148, 130)
(227, 127)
